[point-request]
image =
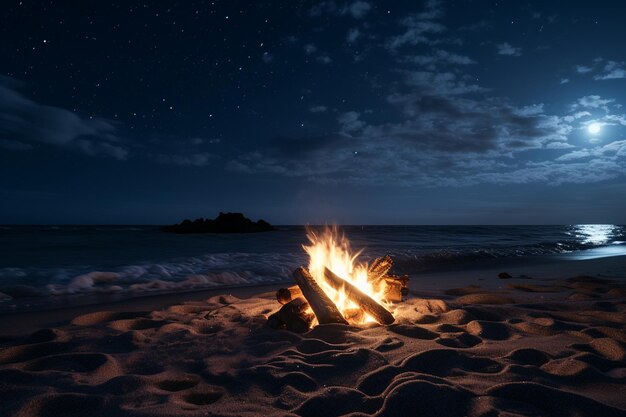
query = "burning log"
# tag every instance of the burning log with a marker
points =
(325, 310)
(393, 291)
(402, 279)
(354, 315)
(292, 316)
(395, 287)
(364, 301)
(284, 295)
(379, 268)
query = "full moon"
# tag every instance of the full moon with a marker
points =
(594, 128)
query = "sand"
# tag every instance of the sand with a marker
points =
(524, 346)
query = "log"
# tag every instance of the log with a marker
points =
(395, 287)
(354, 315)
(379, 268)
(284, 295)
(325, 310)
(393, 291)
(293, 316)
(367, 303)
(274, 321)
(402, 279)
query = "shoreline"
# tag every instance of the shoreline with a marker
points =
(15, 323)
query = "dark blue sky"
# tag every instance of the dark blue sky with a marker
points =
(352, 112)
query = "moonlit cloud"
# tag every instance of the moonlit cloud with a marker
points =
(604, 69)
(449, 129)
(582, 69)
(612, 71)
(593, 101)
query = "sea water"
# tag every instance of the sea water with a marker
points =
(41, 261)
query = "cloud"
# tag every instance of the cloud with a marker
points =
(25, 123)
(593, 102)
(324, 59)
(309, 48)
(575, 116)
(444, 139)
(441, 83)
(419, 27)
(357, 9)
(446, 130)
(318, 109)
(582, 69)
(439, 57)
(564, 81)
(350, 121)
(325, 7)
(194, 159)
(508, 49)
(612, 71)
(267, 57)
(554, 174)
(616, 148)
(353, 35)
(15, 145)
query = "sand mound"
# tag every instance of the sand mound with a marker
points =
(479, 354)
(99, 317)
(484, 298)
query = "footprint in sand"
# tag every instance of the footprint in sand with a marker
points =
(203, 397)
(174, 385)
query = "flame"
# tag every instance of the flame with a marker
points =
(332, 250)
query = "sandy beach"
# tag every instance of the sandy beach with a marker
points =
(545, 342)
(317, 208)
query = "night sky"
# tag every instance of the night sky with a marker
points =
(358, 112)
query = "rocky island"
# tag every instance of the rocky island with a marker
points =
(224, 223)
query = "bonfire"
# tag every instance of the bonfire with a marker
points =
(335, 288)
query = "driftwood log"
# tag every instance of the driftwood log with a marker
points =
(364, 301)
(325, 310)
(379, 268)
(284, 295)
(402, 279)
(293, 316)
(392, 291)
(395, 287)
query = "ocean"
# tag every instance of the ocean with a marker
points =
(41, 261)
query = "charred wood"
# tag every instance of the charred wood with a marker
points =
(325, 310)
(364, 301)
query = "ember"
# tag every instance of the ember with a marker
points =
(337, 289)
